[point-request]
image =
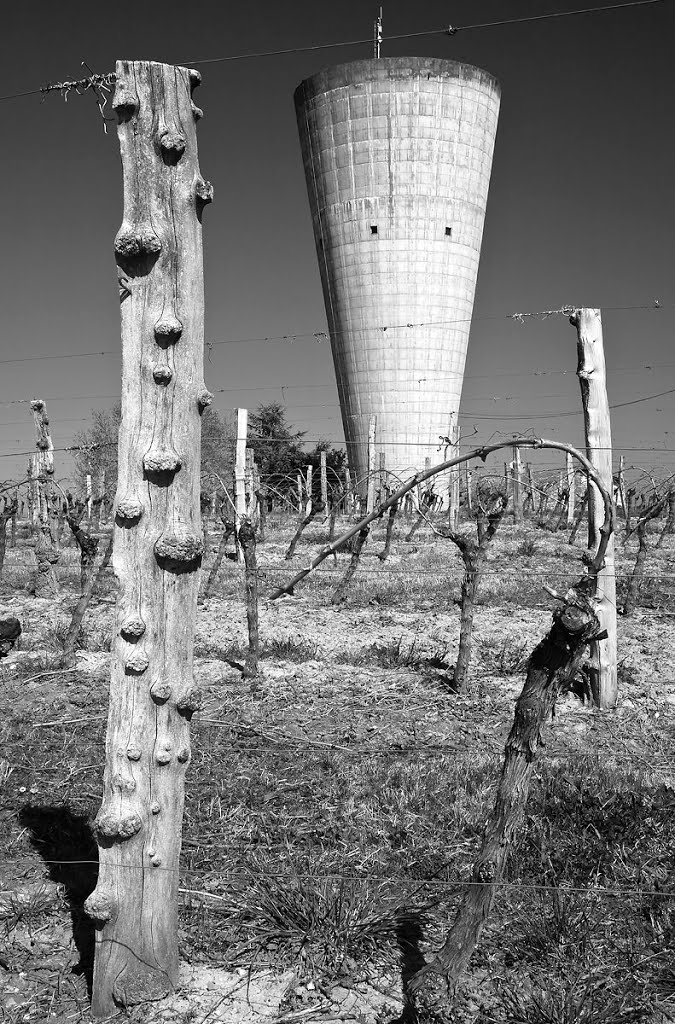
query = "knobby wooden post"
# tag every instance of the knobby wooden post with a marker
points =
(7, 514)
(32, 492)
(240, 474)
(44, 466)
(571, 489)
(592, 380)
(157, 537)
(370, 493)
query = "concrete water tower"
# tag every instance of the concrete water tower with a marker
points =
(398, 154)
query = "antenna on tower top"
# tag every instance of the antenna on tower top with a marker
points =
(377, 36)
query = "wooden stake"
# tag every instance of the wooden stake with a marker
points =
(571, 490)
(324, 478)
(308, 490)
(621, 485)
(157, 538)
(517, 501)
(370, 493)
(530, 485)
(349, 494)
(592, 380)
(382, 476)
(453, 483)
(240, 473)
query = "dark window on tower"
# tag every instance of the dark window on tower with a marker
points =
(448, 232)
(373, 229)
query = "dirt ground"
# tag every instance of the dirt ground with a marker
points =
(341, 690)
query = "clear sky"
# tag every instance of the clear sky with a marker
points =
(580, 209)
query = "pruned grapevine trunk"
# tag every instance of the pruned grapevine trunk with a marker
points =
(314, 510)
(669, 527)
(340, 592)
(229, 530)
(8, 514)
(391, 518)
(553, 664)
(248, 543)
(88, 546)
(157, 537)
(638, 570)
(578, 518)
(88, 590)
(473, 556)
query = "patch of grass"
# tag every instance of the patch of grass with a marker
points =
(576, 997)
(329, 920)
(527, 548)
(504, 657)
(298, 649)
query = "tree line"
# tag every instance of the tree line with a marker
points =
(276, 444)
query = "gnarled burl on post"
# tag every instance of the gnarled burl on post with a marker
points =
(157, 536)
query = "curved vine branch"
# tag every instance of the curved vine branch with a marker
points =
(594, 562)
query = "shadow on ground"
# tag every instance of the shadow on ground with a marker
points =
(66, 844)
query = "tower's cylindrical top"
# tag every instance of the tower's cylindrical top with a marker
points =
(398, 155)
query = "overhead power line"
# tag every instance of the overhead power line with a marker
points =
(321, 336)
(446, 30)
(94, 81)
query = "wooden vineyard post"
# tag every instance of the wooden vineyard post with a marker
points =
(453, 483)
(300, 492)
(45, 466)
(370, 492)
(381, 476)
(308, 489)
(592, 380)
(571, 490)
(621, 485)
(517, 501)
(323, 479)
(157, 537)
(240, 474)
(32, 491)
(349, 497)
(530, 486)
